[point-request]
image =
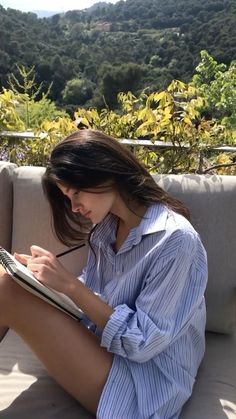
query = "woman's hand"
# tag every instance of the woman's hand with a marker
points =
(22, 258)
(47, 269)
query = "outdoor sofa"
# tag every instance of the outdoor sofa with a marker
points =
(26, 390)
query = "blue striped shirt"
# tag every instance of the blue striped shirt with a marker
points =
(155, 283)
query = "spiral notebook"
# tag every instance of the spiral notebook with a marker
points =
(26, 279)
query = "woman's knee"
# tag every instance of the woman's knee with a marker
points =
(10, 296)
(5, 279)
(7, 291)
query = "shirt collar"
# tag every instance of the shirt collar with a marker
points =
(154, 220)
(106, 230)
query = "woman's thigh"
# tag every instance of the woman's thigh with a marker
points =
(3, 331)
(69, 351)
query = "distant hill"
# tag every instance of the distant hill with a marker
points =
(46, 13)
(107, 48)
(96, 6)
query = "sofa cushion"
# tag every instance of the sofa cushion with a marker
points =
(28, 392)
(212, 203)
(32, 220)
(6, 170)
(214, 394)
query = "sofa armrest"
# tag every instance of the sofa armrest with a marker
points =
(6, 194)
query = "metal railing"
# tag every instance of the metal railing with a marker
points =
(29, 135)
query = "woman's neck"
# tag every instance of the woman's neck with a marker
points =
(128, 218)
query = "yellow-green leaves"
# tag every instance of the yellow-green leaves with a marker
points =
(177, 117)
(172, 116)
(9, 118)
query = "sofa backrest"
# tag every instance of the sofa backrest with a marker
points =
(212, 203)
(6, 170)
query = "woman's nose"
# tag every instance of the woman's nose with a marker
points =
(75, 206)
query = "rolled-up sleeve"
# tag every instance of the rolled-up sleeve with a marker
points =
(163, 310)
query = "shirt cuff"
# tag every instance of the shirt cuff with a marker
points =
(115, 327)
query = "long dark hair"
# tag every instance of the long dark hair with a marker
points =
(88, 159)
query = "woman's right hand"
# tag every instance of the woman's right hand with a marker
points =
(24, 259)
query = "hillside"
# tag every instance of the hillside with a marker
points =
(91, 55)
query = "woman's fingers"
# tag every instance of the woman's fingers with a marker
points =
(39, 251)
(41, 260)
(36, 252)
(35, 267)
(22, 258)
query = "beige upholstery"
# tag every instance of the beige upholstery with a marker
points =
(6, 170)
(32, 220)
(212, 202)
(25, 382)
(214, 395)
(26, 391)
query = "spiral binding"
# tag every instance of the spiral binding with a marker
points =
(7, 262)
(5, 259)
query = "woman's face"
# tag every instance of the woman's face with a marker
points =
(91, 204)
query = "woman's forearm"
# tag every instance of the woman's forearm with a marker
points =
(91, 304)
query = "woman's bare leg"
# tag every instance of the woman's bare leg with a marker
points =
(3, 331)
(70, 352)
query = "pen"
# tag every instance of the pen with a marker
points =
(70, 250)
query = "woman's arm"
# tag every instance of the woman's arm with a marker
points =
(48, 270)
(95, 309)
(166, 306)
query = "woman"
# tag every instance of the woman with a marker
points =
(137, 350)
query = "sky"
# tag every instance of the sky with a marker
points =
(52, 5)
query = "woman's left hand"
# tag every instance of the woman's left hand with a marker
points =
(49, 271)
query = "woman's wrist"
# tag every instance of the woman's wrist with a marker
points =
(72, 287)
(92, 305)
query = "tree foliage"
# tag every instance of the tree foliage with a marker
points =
(9, 117)
(173, 117)
(181, 118)
(218, 85)
(77, 91)
(32, 112)
(161, 39)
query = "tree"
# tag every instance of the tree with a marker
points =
(25, 86)
(217, 84)
(77, 91)
(33, 106)
(125, 77)
(4, 62)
